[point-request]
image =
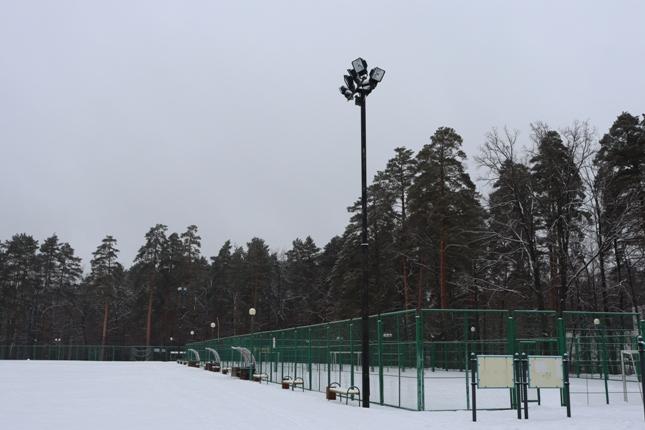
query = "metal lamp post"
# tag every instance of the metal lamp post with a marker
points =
(252, 315)
(212, 329)
(359, 83)
(57, 341)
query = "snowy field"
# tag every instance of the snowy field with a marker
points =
(70, 395)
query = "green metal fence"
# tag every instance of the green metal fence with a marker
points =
(89, 352)
(419, 360)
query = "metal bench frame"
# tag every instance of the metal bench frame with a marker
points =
(345, 392)
(293, 382)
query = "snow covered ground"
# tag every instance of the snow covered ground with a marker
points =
(70, 395)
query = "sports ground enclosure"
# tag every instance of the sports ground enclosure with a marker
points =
(420, 360)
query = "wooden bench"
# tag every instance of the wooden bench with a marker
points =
(259, 377)
(334, 389)
(289, 382)
(212, 366)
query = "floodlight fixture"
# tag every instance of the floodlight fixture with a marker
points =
(348, 94)
(349, 81)
(252, 312)
(377, 74)
(360, 66)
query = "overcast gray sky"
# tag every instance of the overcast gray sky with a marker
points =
(117, 115)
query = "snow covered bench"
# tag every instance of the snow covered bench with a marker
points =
(259, 377)
(212, 366)
(289, 382)
(225, 370)
(334, 389)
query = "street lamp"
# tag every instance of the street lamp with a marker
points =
(192, 333)
(359, 83)
(57, 342)
(213, 329)
(252, 315)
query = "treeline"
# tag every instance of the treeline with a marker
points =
(561, 227)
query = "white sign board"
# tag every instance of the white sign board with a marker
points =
(545, 372)
(495, 371)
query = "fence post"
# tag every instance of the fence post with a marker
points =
(518, 385)
(473, 383)
(466, 357)
(294, 352)
(567, 393)
(561, 333)
(562, 347)
(641, 359)
(419, 350)
(351, 353)
(525, 384)
(398, 353)
(577, 354)
(309, 357)
(510, 346)
(379, 335)
(604, 359)
(328, 358)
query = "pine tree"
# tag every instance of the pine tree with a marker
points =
(219, 293)
(151, 259)
(560, 194)
(259, 269)
(399, 173)
(18, 287)
(620, 184)
(513, 240)
(105, 274)
(445, 211)
(66, 287)
(302, 278)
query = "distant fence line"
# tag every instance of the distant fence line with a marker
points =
(90, 352)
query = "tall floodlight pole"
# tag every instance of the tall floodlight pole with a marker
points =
(358, 85)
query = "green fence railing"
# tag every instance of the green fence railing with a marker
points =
(419, 360)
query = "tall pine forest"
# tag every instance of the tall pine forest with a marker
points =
(558, 223)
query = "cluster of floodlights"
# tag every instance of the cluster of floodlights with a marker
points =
(358, 82)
